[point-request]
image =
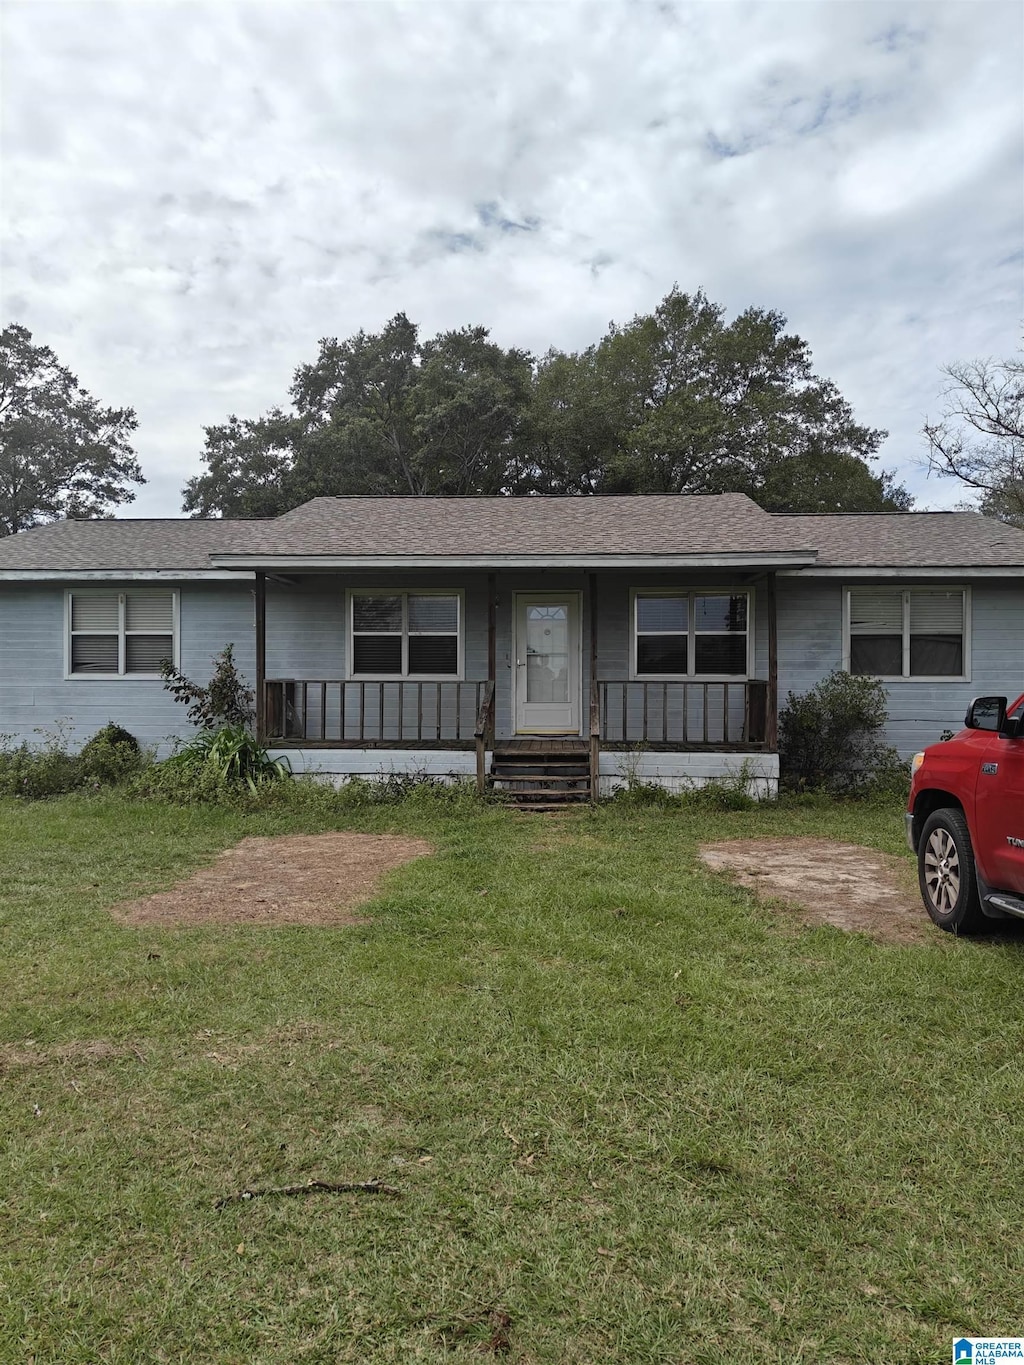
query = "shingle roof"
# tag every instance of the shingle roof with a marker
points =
(908, 539)
(727, 523)
(92, 546)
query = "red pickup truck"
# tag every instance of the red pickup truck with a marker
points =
(965, 819)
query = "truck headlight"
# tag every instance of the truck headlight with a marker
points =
(916, 762)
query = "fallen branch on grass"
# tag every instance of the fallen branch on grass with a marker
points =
(311, 1187)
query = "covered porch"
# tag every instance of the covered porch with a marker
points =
(549, 688)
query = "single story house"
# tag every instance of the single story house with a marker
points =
(544, 643)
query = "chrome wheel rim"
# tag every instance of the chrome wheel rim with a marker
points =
(942, 871)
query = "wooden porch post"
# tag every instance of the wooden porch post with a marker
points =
(485, 721)
(595, 700)
(492, 626)
(261, 657)
(771, 735)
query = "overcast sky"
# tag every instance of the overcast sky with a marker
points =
(194, 194)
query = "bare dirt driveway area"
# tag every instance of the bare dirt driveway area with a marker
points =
(310, 879)
(825, 882)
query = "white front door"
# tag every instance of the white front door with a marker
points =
(547, 663)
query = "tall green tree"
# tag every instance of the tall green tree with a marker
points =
(61, 453)
(381, 414)
(680, 401)
(979, 438)
(677, 401)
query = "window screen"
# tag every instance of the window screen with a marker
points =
(118, 633)
(405, 634)
(693, 634)
(910, 632)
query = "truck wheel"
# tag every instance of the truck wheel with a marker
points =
(945, 871)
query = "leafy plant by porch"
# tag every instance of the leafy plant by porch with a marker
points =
(633, 1115)
(224, 700)
(831, 739)
(226, 753)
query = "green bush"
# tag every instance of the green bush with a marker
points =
(830, 739)
(212, 766)
(224, 703)
(112, 756)
(34, 771)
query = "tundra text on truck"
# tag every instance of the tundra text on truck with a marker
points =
(965, 819)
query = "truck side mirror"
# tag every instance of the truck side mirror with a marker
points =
(1011, 727)
(987, 713)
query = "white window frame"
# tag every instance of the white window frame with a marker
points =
(691, 634)
(405, 593)
(122, 633)
(906, 676)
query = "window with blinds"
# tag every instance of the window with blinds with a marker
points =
(690, 634)
(405, 634)
(118, 634)
(907, 632)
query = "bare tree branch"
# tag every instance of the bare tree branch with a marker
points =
(979, 438)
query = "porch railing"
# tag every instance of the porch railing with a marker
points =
(460, 715)
(334, 713)
(689, 714)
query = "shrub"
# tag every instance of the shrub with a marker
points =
(33, 773)
(830, 738)
(112, 756)
(224, 702)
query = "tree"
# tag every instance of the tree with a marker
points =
(381, 414)
(979, 438)
(61, 454)
(679, 401)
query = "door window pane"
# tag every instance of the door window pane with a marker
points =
(547, 678)
(547, 652)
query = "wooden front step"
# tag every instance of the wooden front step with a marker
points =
(541, 774)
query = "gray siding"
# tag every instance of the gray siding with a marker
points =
(35, 696)
(811, 646)
(306, 639)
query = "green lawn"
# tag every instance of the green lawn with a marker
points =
(644, 1116)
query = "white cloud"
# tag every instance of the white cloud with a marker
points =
(194, 194)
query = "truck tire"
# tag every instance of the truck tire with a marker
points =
(946, 875)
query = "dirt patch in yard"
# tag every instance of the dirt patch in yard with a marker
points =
(306, 879)
(78, 1054)
(845, 885)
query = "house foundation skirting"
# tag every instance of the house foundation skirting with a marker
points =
(338, 765)
(681, 772)
(676, 772)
